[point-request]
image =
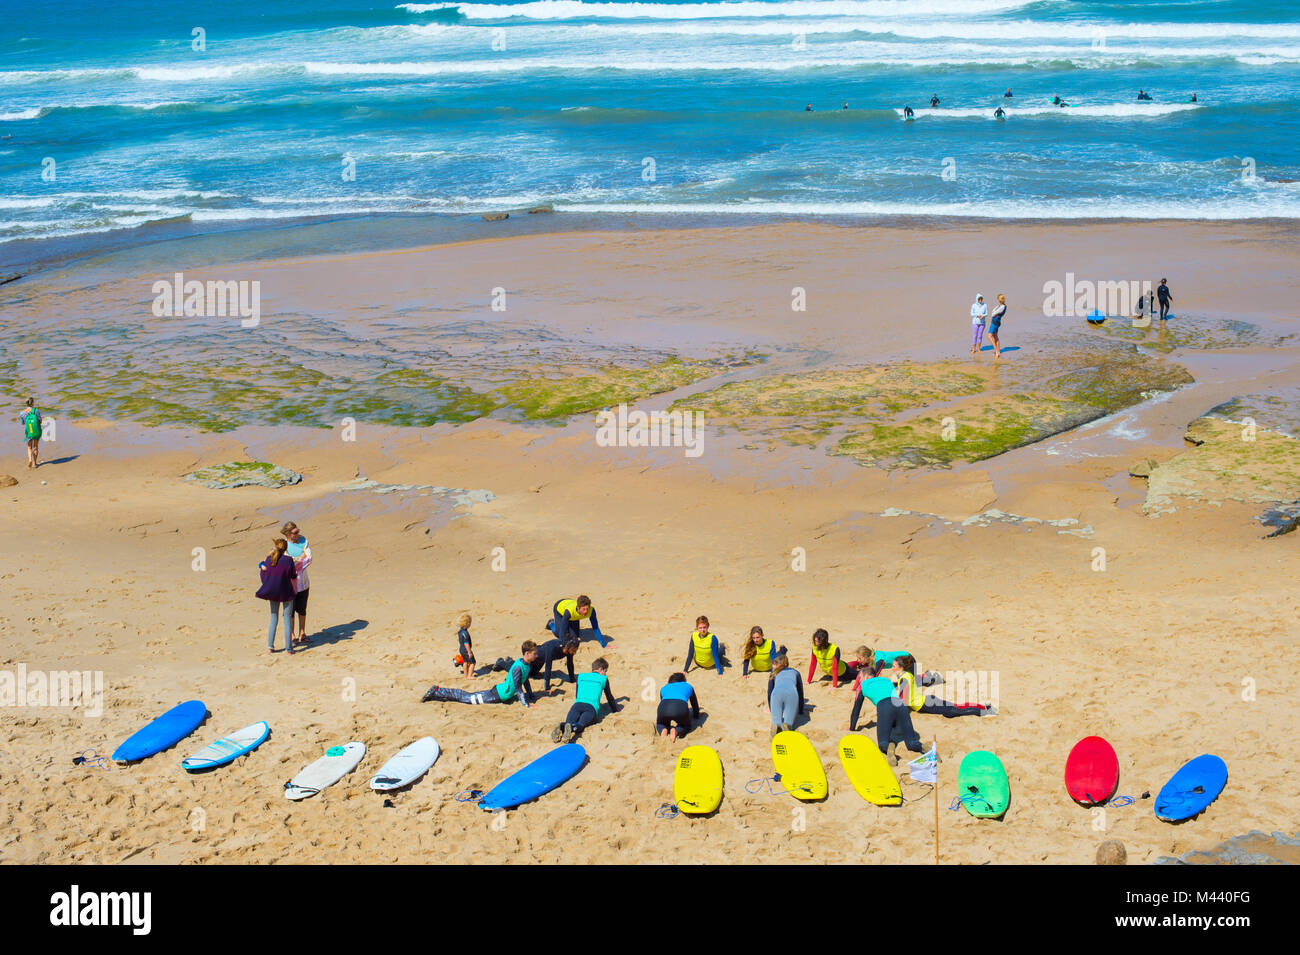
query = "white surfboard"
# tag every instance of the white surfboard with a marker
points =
(228, 748)
(337, 762)
(407, 766)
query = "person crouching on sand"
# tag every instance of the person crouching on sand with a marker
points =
(893, 717)
(826, 656)
(759, 653)
(514, 685)
(278, 576)
(703, 648)
(678, 708)
(979, 313)
(586, 705)
(567, 616)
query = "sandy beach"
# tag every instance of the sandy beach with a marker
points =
(476, 427)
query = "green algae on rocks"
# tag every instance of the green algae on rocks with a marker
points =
(244, 474)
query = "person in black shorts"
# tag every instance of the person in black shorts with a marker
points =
(678, 708)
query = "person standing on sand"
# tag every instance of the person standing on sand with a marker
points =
(278, 575)
(1165, 296)
(979, 314)
(300, 551)
(31, 421)
(995, 324)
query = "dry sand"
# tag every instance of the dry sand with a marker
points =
(1153, 653)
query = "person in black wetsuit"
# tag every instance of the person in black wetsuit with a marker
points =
(808, 108)
(1142, 94)
(934, 100)
(907, 112)
(1007, 94)
(548, 654)
(679, 707)
(999, 113)
(1193, 97)
(586, 708)
(1165, 296)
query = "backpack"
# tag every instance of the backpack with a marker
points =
(32, 424)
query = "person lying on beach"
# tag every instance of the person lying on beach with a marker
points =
(759, 653)
(464, 645)
(995, 324)
(703, 648)
(515, 684)
(31, 422)
(567, 617)
(278, 574)
(979, 314)
(586, 705)
(826, 655)
(903, 673)
(784, 694)
(893, 717)
(678, 708)
(547, 654)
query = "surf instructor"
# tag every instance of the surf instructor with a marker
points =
(567, 617)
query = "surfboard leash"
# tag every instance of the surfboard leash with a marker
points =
(668, 811)
(91, 758)
(469, 795)
(753, 789)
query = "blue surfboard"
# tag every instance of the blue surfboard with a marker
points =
(537, 778)
(167, 730)
(1191, 789)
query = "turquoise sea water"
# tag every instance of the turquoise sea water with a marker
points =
(629, 107)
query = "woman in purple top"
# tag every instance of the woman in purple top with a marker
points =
(278, 586)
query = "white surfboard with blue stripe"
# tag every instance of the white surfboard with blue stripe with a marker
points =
(228, 748)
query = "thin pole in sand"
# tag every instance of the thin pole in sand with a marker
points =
(936, 800)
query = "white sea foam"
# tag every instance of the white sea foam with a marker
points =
(574, 9)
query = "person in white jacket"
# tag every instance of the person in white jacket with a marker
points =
(300, 551)
(979, 316)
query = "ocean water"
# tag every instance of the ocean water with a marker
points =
(110, 118)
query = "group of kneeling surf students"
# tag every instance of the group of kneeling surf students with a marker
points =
(887, 680)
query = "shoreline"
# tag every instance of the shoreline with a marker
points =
(408, 231)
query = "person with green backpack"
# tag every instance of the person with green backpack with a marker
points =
(586, 705)
(31, 419)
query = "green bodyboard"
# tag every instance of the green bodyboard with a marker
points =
(982, 785)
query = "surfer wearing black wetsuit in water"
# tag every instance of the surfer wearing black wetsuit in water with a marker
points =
(934, 100)
(999, 113)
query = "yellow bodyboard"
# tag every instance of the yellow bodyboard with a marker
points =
(798, 766)
(697, 781)
(869, 771)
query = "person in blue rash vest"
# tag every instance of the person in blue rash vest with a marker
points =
(586, 705)
(547, 655)
(678, 708)
(514, 685)
(567, 616)
(893, 717)
(703, 648)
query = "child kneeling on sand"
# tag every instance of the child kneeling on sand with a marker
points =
(586, 705)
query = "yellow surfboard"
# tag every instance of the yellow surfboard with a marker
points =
(697, 782)
(869, 771)
(798, 766)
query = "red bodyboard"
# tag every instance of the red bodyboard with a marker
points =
(1092, 771)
